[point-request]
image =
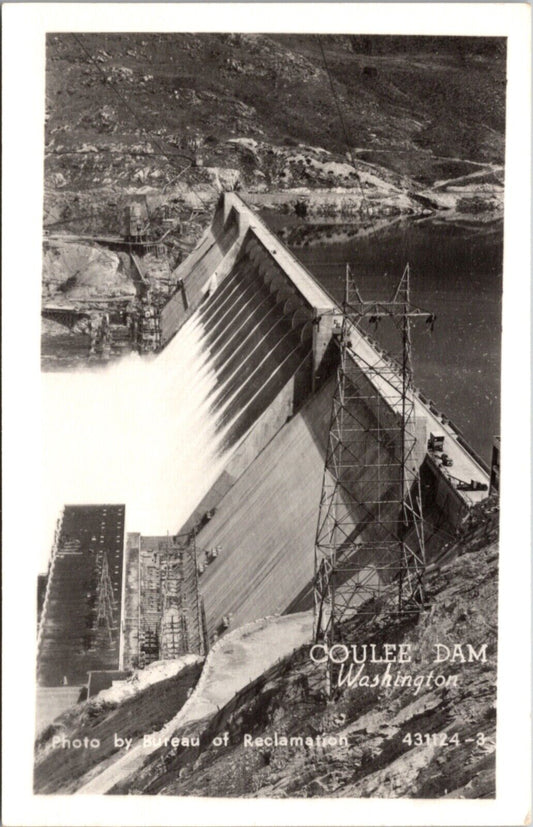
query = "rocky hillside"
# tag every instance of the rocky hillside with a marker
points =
(434, 738)
(171, 112)
(144, 702)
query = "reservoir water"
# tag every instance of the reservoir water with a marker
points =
(456, 272)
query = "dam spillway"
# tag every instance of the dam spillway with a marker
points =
(268, 334)
(231, 428)
(258, 337)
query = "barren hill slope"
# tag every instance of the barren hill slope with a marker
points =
(402, 741)
(418, 106)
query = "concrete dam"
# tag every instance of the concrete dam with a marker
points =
(269, 333)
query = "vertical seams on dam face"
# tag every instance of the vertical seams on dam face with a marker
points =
(196, 272)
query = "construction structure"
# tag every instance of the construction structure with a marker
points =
(163, 611)
(104, 609)
(370, 531)
(107, 326)
(80, 620)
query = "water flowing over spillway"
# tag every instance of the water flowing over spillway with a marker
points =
(140, 432)
(255, 348)
(155, 433)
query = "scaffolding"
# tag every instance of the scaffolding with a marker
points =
(174, 639)
(149, 608)
(170, 617)
(370, 529)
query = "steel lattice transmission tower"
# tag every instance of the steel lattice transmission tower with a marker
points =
(370, 529)
(105, 600)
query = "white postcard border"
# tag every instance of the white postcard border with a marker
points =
(23, 97)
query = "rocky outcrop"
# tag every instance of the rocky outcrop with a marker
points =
(82, 271)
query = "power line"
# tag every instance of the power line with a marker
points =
(162, 150)
(122, 98)
(370, 533)
(341, 118)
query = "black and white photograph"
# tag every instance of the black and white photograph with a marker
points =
(267, 561)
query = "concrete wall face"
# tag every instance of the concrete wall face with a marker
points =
(266, 523)
(446, 497)
(131, 607)
(260, 434)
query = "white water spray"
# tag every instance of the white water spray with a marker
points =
(138, 432)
